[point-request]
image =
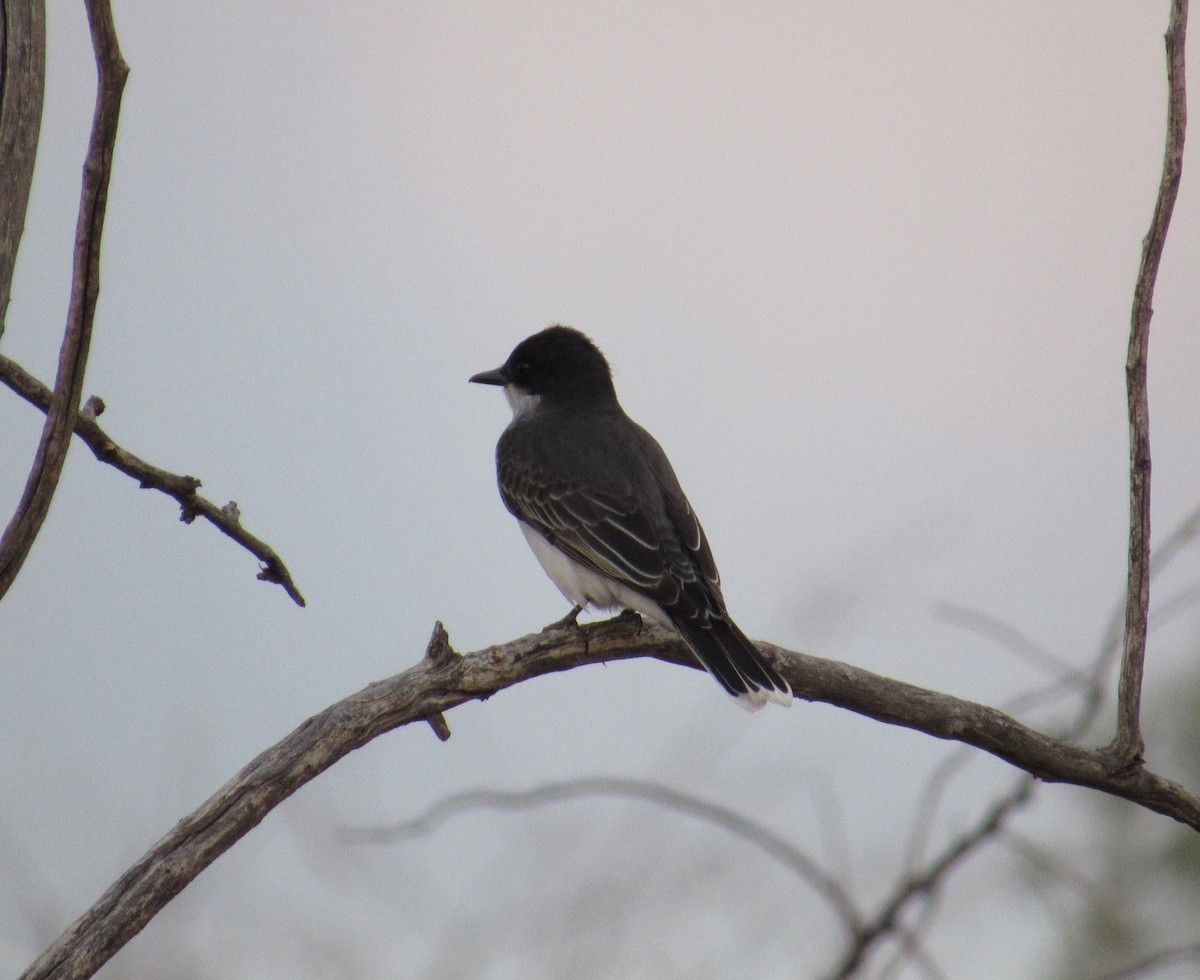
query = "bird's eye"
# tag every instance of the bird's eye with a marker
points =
(522, 369)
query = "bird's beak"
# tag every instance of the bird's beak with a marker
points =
(496, 377)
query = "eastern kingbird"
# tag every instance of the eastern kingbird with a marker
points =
(600, 506)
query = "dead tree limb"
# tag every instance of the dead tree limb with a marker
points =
(22, 83)
(442, 681)
(182, 488)
(1128, 745)
(52, 449)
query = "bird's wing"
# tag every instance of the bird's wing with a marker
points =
(639, 530)
(694, 562)
(601, 529)
(691, 535)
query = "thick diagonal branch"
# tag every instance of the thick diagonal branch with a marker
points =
(442, 681)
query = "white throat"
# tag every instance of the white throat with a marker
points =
(521, 402)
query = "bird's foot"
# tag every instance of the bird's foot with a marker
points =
(569, 621)
(629, 616)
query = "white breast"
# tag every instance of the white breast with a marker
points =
(584, 587)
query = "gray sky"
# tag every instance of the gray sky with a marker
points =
(865, 271)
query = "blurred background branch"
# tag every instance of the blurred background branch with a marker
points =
(687, 804)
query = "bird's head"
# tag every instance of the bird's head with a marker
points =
(559, 364)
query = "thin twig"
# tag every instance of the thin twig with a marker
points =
(1048, 863)
(181, 488)
(85, 288)
(1006, 636)
(1128, 745)
(909, 950)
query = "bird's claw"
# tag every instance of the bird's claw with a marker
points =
(569, 621)
(630, 616)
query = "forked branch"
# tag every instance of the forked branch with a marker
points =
(179, 487)
(442, 681)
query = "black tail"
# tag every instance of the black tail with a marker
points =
(734, 661)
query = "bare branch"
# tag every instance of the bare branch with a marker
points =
(181, 488)
(85, 288)
(1128, 744)
(441, 682)
(1091, 682)
(736, 823)
(22, 81)
(945, 716)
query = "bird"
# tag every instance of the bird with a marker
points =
(600, 506)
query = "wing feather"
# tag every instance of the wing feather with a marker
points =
(628, 519)
(600, 531)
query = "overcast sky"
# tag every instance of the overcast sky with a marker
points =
(864, 270)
